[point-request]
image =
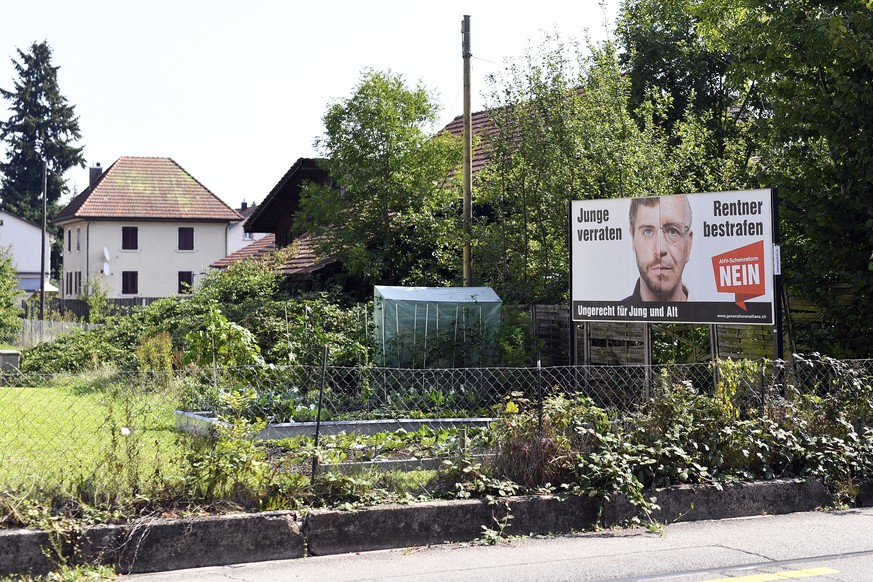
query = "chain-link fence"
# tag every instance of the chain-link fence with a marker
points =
(74, 430)
(34, 331)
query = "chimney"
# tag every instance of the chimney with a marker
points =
(96, 172)
(245, 205)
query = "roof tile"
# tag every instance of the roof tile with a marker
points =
(302, 261)
(147, 189)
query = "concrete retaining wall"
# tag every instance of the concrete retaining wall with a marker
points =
(169, 544)
(697, 502)
(865, 495)
(201, 422)
(159, 544)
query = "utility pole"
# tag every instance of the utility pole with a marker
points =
(42, 247)
(468, 156)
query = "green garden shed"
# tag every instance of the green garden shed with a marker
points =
(431, 327)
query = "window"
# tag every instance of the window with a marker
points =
(186, 282)
(129, 238)
(69, 290)
(69, 240)
(78, 239)
(247, 236)
(78, 282)
(129, 282)
(186, 238)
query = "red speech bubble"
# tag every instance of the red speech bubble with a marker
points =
(741, 271)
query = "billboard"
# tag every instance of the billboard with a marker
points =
(690, 258)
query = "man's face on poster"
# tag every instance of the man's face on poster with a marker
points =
(662, 240)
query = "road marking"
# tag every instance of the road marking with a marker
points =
(790, 574)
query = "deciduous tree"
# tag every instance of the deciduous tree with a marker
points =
(813, 62)
(563, 131)
(389, 215)
(709, 108)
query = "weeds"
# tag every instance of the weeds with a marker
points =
(229, 464)
(731, 426)
(472, 481)
(69, 574)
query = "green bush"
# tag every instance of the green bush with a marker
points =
(516, 343)
(75, 352)
(10, 324)
(283, 329)
(684, 436)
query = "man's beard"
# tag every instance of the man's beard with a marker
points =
(657, 284)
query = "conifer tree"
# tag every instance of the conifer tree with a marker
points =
(42, 126)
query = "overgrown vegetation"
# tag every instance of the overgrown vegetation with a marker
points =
(687, 433)
(778, 96)
(740, 423)
(242, 316)
(284, 329)
(10, 323)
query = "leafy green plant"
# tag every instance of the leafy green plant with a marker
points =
(472, 481)
(220, 342)
(536, 447)
(95, 296)
(424, 443)
(517, 345)
(154, 355)
(299, 330)
(74, 352)
(229, 464)
(610, 467)
(732, 378)
(9, 311)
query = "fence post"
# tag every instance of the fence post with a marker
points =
(780, 374)
(318, 413)
(647, 359)
(763, 389)
(539, 397)
(586, 358)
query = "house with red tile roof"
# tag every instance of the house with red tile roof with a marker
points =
(145, 227)
(276, 214)
(274, 217)
(481, 125)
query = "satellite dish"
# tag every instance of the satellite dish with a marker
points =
(106, 269)
(106, 254)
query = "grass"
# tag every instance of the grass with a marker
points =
(107, 440)
(96, 429)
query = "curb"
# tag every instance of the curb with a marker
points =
(171, 544)
(158, 544)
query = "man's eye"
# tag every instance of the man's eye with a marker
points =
(648, 232)
(671, 231)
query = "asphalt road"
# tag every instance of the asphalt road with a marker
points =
(835, 545)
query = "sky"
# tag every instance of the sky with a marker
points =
(235, 92)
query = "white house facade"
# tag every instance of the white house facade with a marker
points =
(237, 237)
(145, 259)
(25, 240)
(144, 229)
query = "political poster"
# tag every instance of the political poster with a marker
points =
(690, 258)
